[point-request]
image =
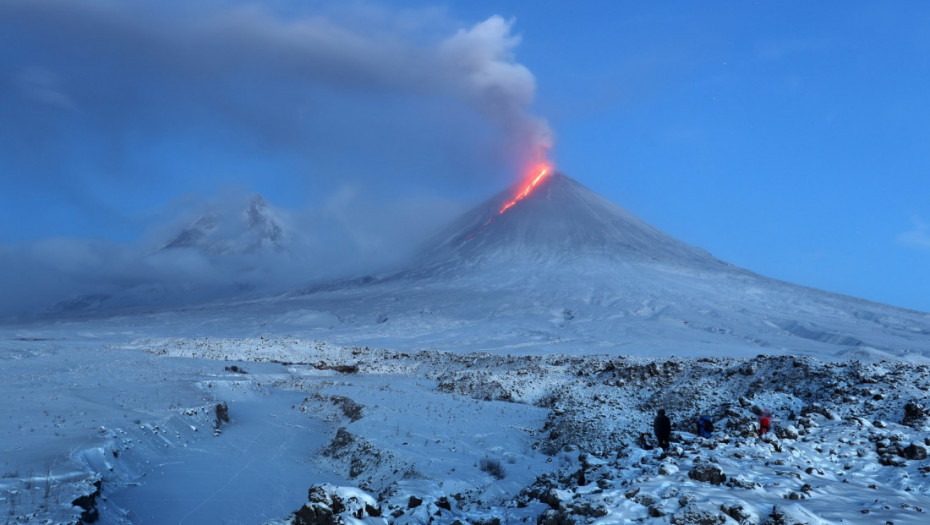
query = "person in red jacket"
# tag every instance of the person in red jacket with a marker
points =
(765, 422)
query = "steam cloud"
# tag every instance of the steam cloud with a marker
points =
(111, 107)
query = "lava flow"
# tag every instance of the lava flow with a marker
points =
(543, 171)
(526, 191)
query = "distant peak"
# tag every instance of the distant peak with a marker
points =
(234, 229)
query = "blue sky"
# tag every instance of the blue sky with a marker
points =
(789, 138)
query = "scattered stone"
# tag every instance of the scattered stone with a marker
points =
(788, 432)
(694, 515)
(914, 452)
(330, 505)
(222, 414)
(736, 511)
(707, 473)
(914, 414)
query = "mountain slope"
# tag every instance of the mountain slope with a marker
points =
(566, 270)
(560, 219)
(563, 271)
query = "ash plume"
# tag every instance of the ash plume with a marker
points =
(113, 110)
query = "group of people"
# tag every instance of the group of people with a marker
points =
(662, 426)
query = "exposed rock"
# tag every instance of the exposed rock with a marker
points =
(914, 414)
(88, 504)
(555, 517)
(914, 452)
(694, 515)
(707, 473)
(222, 413)
(330, 505)
(788, 432)
(737, 512)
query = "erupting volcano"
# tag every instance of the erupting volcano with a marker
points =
(541, 170)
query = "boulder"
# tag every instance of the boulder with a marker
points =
(708, 473)
(914, 452)
(914, 414)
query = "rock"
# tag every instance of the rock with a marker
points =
(788, 432)
(694, 515)
(914, 414)
(736, 511)
(555, 517)
(914, 452)
(707, 473)
(88, 505)
(330, 505)
(667, 469)
(222, 413)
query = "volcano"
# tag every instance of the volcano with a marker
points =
(565, 270)
(563, 221)
(562, 270)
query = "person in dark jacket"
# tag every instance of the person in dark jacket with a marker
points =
(662, 428)
(705, 427)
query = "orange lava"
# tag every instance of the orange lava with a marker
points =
(526, 191)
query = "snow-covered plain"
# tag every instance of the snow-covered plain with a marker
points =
(507, 376)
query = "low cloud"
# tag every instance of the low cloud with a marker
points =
(220, 247)
(918, 237)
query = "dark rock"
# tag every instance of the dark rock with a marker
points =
(736, 511)
(555, 517)
(326, 507)
(350, 408)
(914, 452)
(414, 502)
(707, 473)
(222, 413)
(694, 515)
(88, 505)
(914, 414)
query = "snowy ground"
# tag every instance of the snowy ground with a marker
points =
(419, 436)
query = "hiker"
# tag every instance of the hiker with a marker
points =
(662, 428)
(765, 422)
(704, 427)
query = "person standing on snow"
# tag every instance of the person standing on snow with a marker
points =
(705, 427)
(765, 422)
(662, 427)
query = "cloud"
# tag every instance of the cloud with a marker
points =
(43, 86)
(307, 84)
(360, 119)
(219, 247)
(918, 237)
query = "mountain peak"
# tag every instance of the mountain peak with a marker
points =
(234, 229)
(559, 219)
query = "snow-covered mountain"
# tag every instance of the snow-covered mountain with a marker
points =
(561, 271)
(559, 221)
(566, 270)
(254, 229)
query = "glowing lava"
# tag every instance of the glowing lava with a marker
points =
(543, 171)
